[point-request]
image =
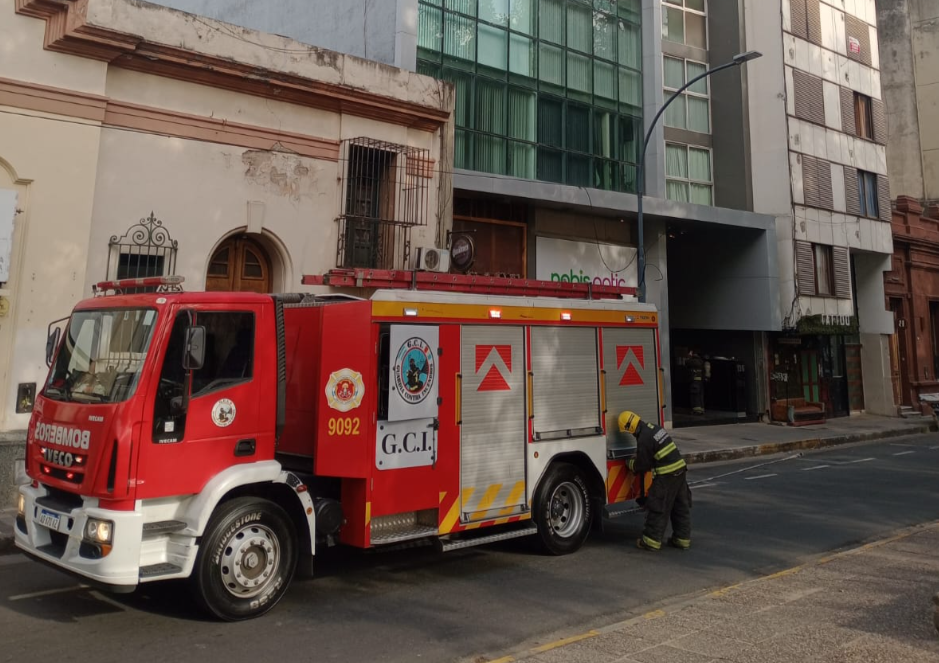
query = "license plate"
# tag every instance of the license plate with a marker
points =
(48, 519)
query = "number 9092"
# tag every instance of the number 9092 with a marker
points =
(342, 426)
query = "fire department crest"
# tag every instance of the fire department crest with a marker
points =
(223, 413)
(345, 390)
(415, 370)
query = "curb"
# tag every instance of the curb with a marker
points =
(680, 603)
(799, 445)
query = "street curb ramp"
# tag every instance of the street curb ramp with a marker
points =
(800, 445)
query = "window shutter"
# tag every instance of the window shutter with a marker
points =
(852, 195)
(848, 121)
(823, 177)
(878, 110)
(798, 18)
(813, 17)
(810, 97)
(805, 268)
(883, 198)
(810, 180)
(841, 265)
(860, 30)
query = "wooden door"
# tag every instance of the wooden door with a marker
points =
(241, 265)
(899, 366)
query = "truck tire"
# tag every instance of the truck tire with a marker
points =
(562, 509)
(246, 559)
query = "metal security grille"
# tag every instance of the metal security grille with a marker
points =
(879, 113)
(146, 249)
(386, 191)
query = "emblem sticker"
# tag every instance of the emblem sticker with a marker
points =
(223, 413)
(345, 390)
(415, 370)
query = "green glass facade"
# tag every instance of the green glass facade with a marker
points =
(545, 89)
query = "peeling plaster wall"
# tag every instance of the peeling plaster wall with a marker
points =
(371, 29)
(201, 190)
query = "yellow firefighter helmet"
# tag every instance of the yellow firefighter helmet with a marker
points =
(629, 422)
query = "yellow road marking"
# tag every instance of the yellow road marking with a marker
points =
(566, 641)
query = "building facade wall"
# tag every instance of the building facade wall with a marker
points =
(384, 31)
(912, 291)
(909, 45)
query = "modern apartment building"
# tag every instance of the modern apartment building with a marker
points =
(819, 166)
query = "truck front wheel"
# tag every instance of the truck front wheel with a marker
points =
(246, 560)
(562, 509)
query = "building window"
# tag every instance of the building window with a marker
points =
(684, 22)
(692, 110)
(386, 194)
(688, 174)
(863, 116)
(868, 194)
(145, 250)
(823, 270)
(545, 89)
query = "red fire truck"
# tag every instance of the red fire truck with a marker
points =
(226, 437)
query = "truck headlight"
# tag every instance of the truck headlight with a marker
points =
(99, 531)
(21, 505)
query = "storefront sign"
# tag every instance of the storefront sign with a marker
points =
(462, 253)
(585, 262)
(828, 324)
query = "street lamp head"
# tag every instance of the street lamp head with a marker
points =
(740, 58)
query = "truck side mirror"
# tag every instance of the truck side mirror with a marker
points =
(52, 342)
(194, 357)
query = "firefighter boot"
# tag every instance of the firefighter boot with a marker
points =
(645, 543)
(681, 544)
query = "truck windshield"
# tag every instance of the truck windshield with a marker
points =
(102, 356)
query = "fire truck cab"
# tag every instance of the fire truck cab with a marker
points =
(225, 437)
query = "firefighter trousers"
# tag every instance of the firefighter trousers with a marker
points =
(669, 499)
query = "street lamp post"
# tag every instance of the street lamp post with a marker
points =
(737, 60)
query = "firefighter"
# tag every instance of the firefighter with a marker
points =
(696, 368)
(669, 496)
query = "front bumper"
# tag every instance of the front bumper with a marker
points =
(53, 534)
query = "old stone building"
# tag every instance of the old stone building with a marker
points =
(136, 140)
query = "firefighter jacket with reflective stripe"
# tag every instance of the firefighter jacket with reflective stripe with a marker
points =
(656, 452)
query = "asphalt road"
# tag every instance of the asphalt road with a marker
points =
(419, 605)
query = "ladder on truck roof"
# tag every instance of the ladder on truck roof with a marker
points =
(479, 285)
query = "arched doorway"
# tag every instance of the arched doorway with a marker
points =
(240, 264)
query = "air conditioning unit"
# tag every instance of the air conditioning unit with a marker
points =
(430, 259)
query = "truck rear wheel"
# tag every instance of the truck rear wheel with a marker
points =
(246, 560)
(562, 509)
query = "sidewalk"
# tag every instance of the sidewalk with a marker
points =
(873, 603)
(708, 444)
